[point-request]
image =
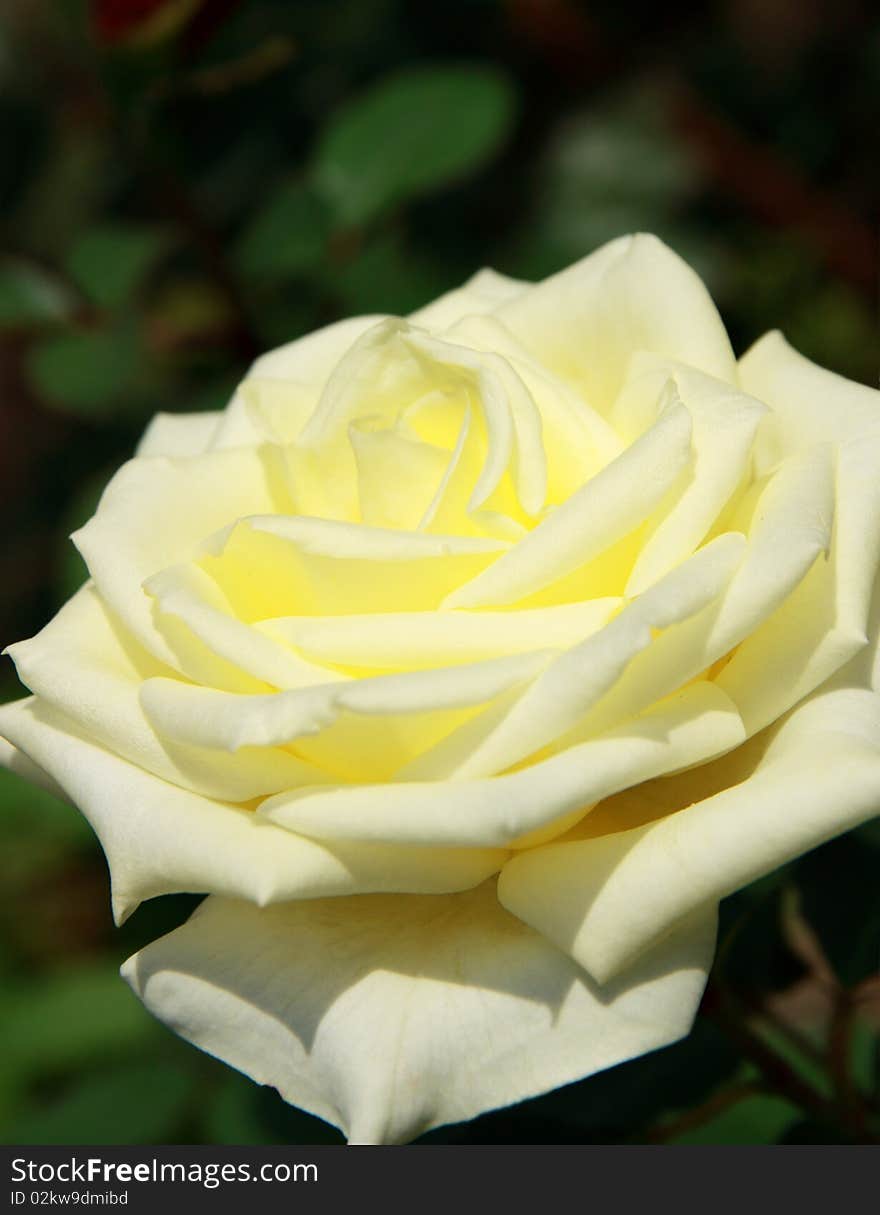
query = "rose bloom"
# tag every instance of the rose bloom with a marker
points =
(465, 662)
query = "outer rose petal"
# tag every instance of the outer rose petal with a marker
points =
(179, 434)
(606, 899)
(808, 404)
(153, 514)
(161, 839)
(632, 294)
(483, 292)
(389, 1016)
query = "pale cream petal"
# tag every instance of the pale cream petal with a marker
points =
(161, 839)
(580, 677)
(154, 513)
(311, 359)
(84, 666)
(578, 440)
(790, 530)
(188, 596)
(275, 409)
(22, 765)
(513, 423)
(607, 899)
(210, 718)
(826, 620)
(632, 294)
(179, 434)
(482, 293)
(808, 404)
(397, 477)
(275, 565)
(391, 1016)
(724, 427)
(498, 812)
(421, 639)
(600, 513)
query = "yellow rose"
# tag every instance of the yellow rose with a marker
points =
(466, 662)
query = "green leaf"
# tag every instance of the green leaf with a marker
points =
(109, 263)
(85, 373)
(865, 1056)
(412, 132)
(286, 236)
(140, 1102)
(71, 1017)
(37, 830)
(385, 275)
(29, 296)
(757, 1119)
(231, 1115)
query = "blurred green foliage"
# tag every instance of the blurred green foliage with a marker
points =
(182, 190)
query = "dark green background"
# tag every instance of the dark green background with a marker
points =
(182, 192)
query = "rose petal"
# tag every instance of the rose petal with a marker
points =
(84, 666)
(590, 521)
(606, 900)
(270, 564)
(790, 529)
(576, 681)
(422, 639)
(391, 1016)
(808, 404)
(497, 812)
(825, 621)
(179, 434)
(632, 294)
(199, 624)
(210, 718)
(724, 426)
(482, 293)
(153, 514)
(161, 839)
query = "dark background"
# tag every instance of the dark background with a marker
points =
(185, 183)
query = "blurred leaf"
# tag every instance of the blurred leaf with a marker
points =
(804, 1064)
(33, 819)
(838, 892)
(110, 262)
(757, 1119)
(29, 296)
(606, 172)
(74, 180)
(67, 1019)
(287, 235)
(419, 129)
(139, 1102)
(184, 311)
(231, 1115)
(865, 1056)
(621, 156)
(385, 275)
(85, 373)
